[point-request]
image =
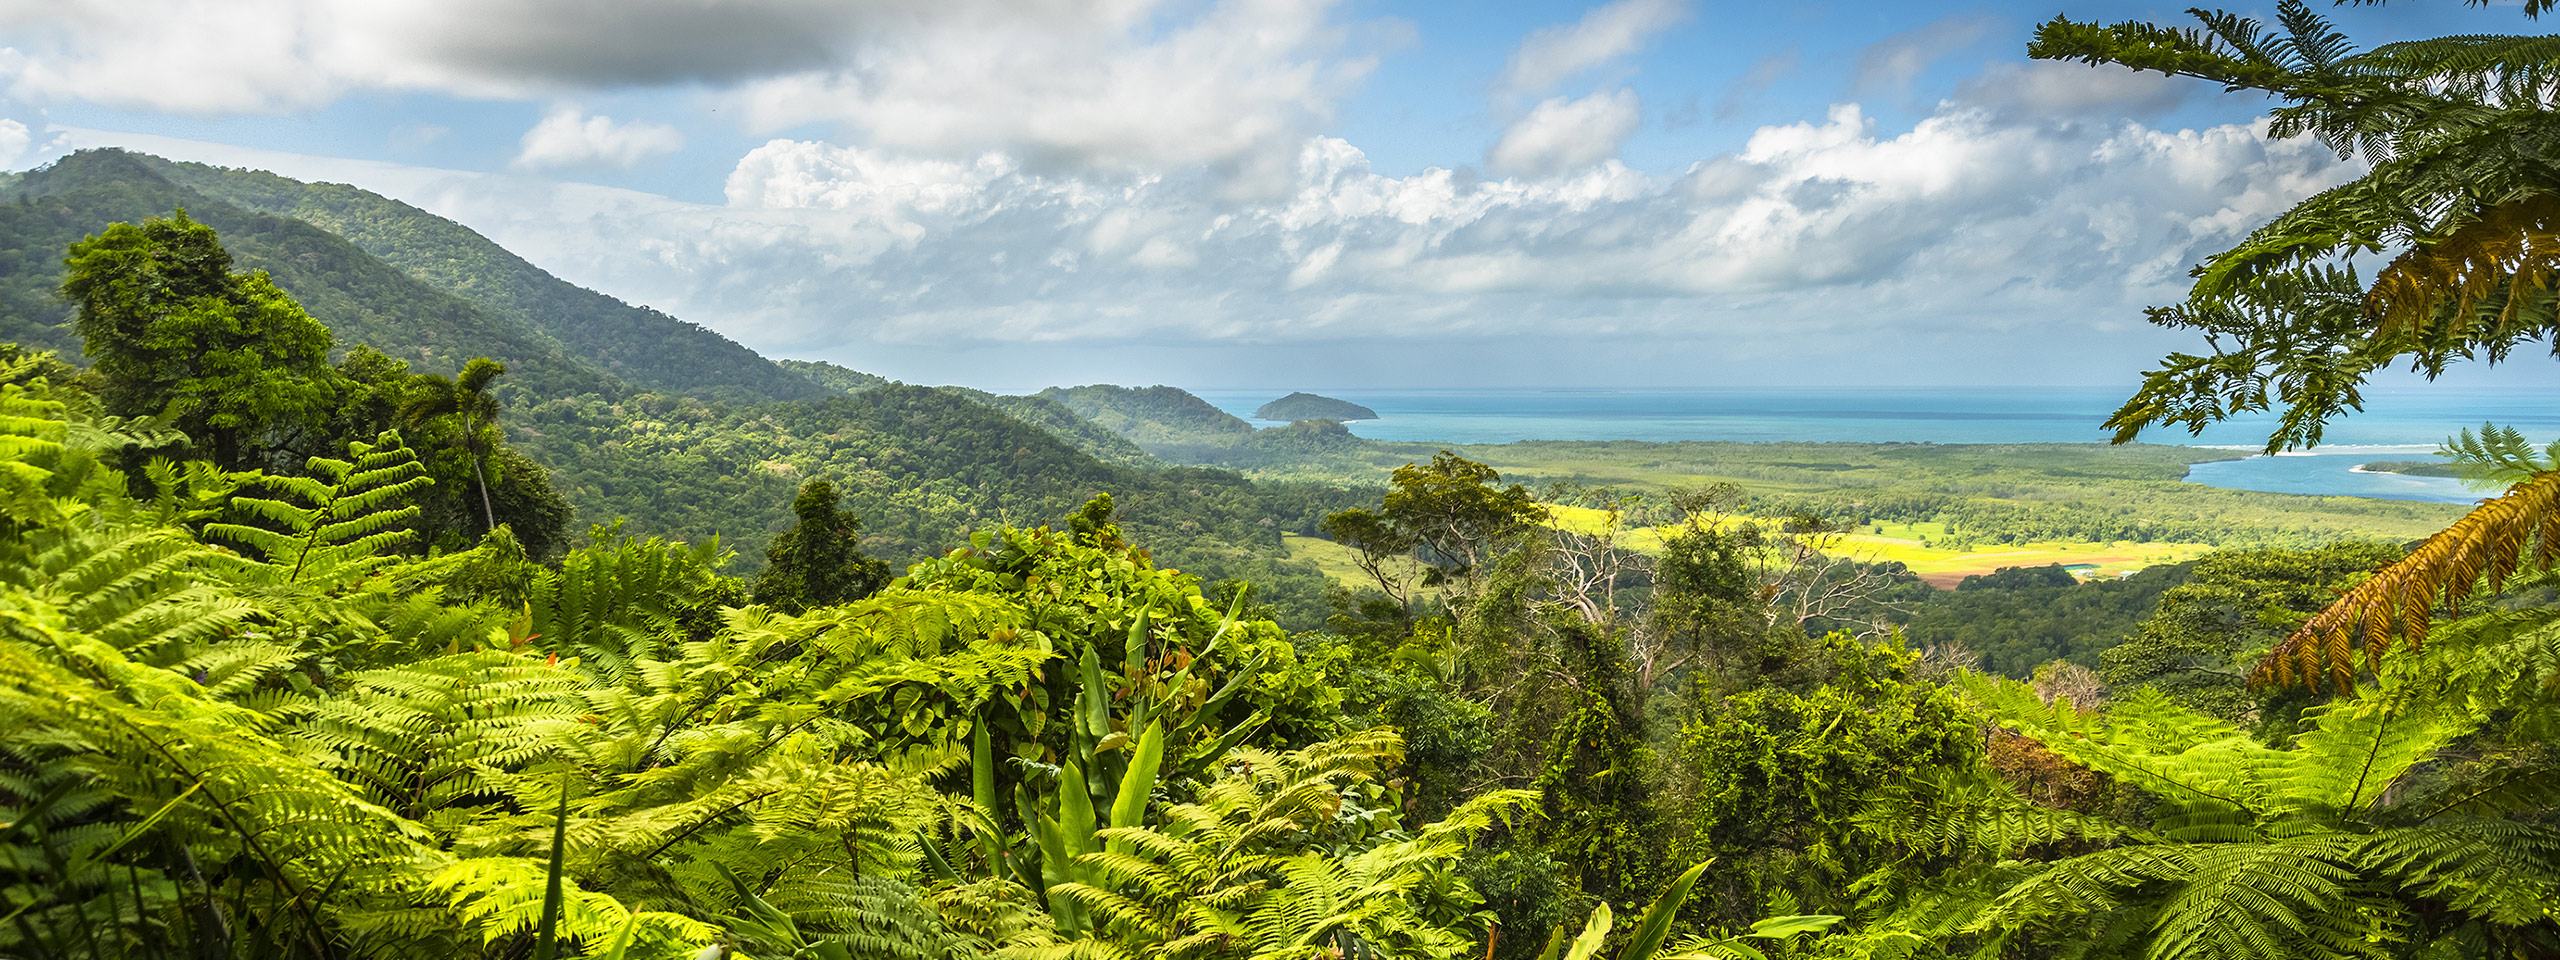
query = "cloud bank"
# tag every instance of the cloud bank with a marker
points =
(1027, 178)
(567, 138)
(1114, 84)
(1966, 223)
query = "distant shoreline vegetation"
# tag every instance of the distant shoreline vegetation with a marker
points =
(2413, 468)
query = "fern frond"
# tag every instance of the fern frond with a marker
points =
(2487, 546)
(502, 897)
(2508, 251)
(2497, 870)
(2358, 748)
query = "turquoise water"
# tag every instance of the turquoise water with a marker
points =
(2399, 423)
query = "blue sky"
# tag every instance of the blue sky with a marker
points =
(1251, 193)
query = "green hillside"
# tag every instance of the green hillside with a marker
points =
(1152, 416)
(835, 378)
(644, 347)
(922, 467)
(360, 298)
(1054, 417)
(1307, 406)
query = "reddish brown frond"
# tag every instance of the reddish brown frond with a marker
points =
(2488, 544)
(2509, 248)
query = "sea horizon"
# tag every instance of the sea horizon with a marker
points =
(2398, 422)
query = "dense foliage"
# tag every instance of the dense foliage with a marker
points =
(334, 688)
(1152, 415)
(2018, 623)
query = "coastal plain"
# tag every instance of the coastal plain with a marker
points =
(1944, 511)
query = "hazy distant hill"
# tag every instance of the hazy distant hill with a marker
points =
(1043, 412)
(361, 298)
(1150, 416)
(649, 349)
(1308, 406)
(1050, 415)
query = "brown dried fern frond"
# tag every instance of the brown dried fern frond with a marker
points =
(2489, 544)
(2497, 259)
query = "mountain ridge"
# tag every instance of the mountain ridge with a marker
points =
(360, 298)
(645, 347)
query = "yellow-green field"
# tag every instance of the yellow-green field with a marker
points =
(1332, 558)
(1940, 566)
(1336, 560)
(2018, 490)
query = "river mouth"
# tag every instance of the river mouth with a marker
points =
(2331, 471)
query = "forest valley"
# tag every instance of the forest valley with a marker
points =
(301, 658)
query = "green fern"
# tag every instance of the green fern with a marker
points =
(338, 529)
(2321, 850)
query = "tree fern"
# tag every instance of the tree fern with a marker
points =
(337, 529)
(2483, 549)
(2318, 851)
(1221, 876)
(300, 839)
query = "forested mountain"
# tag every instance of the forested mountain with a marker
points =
(643, 347)
(1152, 416)
(836, 379)
(359, 297)
(290, 668)
(1307, 406)
(1050, 415)
(638, 441)
(922, 467)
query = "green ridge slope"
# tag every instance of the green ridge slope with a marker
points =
(644, 347)
(360, 298)
(1149, 416)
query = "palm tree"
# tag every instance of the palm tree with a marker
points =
(466, 397)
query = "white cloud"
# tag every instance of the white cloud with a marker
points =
(1560, 134)
(1893, 62)
(1093, 83)
(2048, 88)
(1979, 231)
(1235, 87)
(568, 138)
(1966, 218)
(249, 56)
(15, 138)
(1552, 55)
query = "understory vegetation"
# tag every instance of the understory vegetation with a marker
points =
(303, 657)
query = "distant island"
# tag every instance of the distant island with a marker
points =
(1308, 406)
(2414, 468)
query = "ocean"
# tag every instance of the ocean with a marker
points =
(2398, 423)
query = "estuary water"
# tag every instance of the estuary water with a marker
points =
(2398, 423)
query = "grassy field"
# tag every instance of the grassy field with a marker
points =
(1332, 558)
(2014, 496)
(1943, 510)
(1914, 545)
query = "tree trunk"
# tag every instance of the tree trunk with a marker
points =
(488, 514)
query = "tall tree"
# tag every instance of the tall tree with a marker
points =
(467, 401)
(228, 357)
(1449, 515)
(819, 561)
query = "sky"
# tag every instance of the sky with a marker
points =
(1224, 194)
